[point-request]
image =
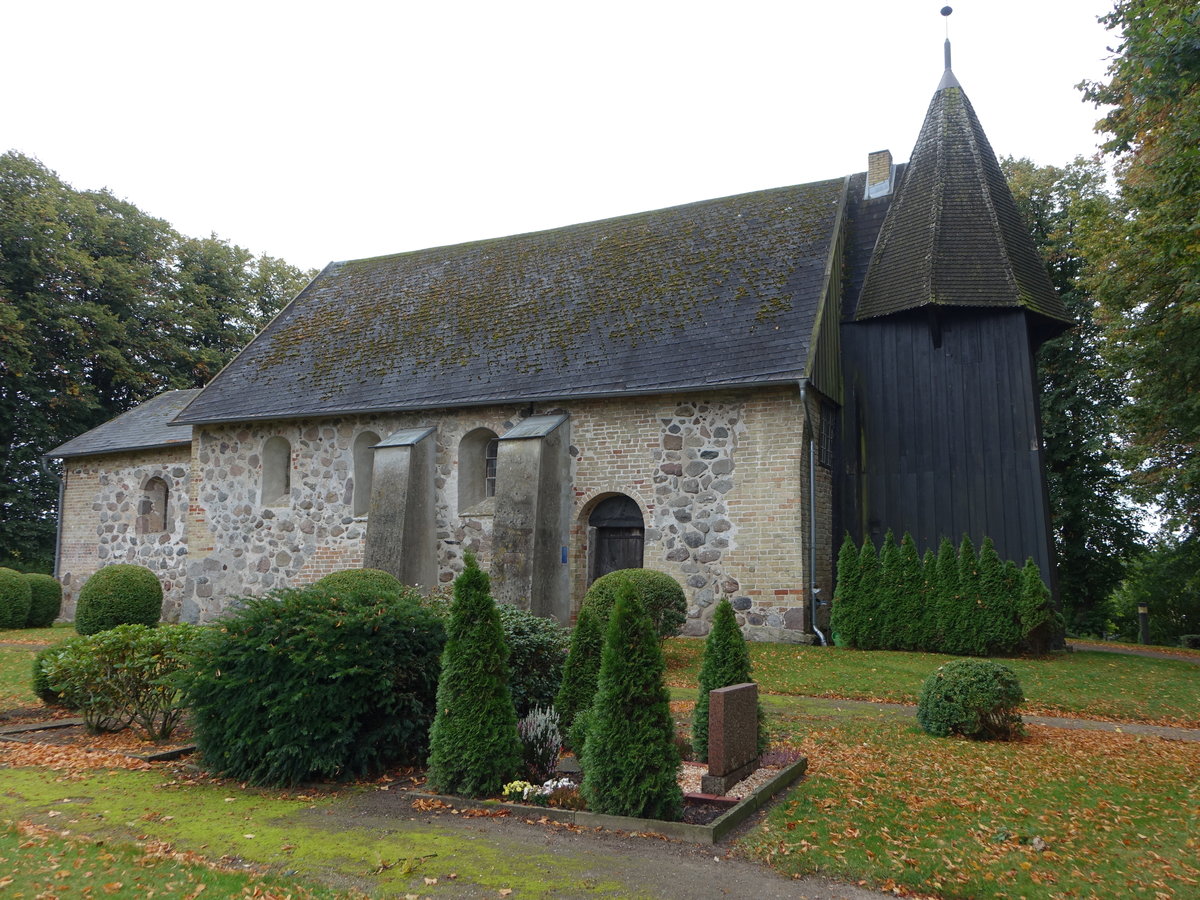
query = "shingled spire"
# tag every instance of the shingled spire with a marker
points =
(953, 236)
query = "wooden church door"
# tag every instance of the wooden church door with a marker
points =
(618, 535)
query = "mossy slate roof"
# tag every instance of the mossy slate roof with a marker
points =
(711, 294)
(144, 427)
(953, 235)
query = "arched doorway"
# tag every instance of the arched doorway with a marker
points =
(617, 536)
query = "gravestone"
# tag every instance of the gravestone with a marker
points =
(732, 736)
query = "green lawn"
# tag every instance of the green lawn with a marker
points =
(1059, 814)
(1085, 684)
(16, 661)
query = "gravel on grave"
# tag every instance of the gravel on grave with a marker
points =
(691, 773)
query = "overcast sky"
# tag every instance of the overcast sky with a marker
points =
(340, 130)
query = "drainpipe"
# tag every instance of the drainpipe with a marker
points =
(813, 590)
(62, 484)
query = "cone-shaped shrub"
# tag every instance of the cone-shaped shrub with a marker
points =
(120, 594)
(630, 759)
(726, 661)
(842, 618)
(927, 624)
(45, 600)
(997, 606)
(15, 598)
(888, 618)
(945, 597)
(1041, 625)
(473, 745)
(910, 586)
(969, 632)
(581, 671)
(867, 615)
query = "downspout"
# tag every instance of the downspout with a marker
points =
(813, 590)
(62, 484)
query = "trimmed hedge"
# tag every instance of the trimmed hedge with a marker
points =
(977, 698)
(960, 603)
(659, 593)
(45, 600)
(119, 594)
(15, 597)
(629, 758)
(372, 581)
(473, 744)
(303, 684)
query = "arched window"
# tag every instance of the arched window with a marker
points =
(152, 508)
(364, 467)
(276, 471)
(477, 467)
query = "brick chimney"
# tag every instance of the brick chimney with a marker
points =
(879, 174)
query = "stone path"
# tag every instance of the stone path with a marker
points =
(902, 709)
(1128, 650)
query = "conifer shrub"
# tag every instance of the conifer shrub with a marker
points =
(909, 580)
(888, 616)
(374, 581)
(15, 597)
(1041, 625)
(473, 745)
(977, 698)
(537, 650)
(125, 675)
(305, 684)
(869, 597)
(842, 618)
(971, 627)
(726, 661)
(659, 593)
(120, 594)
(997, 599)
(629, 759)
(580, 672)
(944, 594)
(45, 600)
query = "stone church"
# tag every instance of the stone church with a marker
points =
(717, 391)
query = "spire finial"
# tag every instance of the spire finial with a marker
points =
(946, 10)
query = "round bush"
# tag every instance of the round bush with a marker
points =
(373, 581)
(977, 698)
(14, 599)
(305, 684)
(41, 679)
(120, 594)
(45, 600)
(658, 592)
(537, 650)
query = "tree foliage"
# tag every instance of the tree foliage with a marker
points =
(1165, 579)
(1093, 526)
(102, 307)
(473, 744)
(1146, 260)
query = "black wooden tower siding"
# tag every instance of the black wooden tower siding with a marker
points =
(946, 302)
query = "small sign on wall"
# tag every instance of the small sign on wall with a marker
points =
(564, 556)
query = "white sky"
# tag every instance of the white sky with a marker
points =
(349, 129)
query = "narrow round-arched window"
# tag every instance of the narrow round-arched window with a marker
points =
(364, 467)
(276, 471)
(152, 507)
(477, 454)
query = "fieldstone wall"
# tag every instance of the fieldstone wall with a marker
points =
(720, 479)
(101, 498)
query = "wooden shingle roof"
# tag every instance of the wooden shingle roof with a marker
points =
(144, 427)
(711, 294)
(953, 235)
